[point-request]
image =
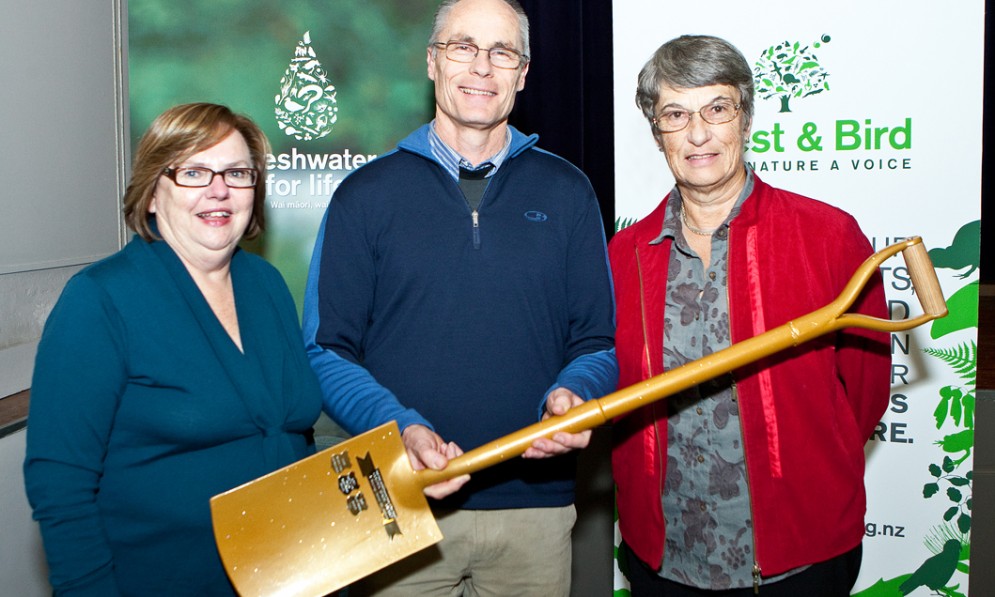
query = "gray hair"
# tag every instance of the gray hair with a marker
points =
(691, 61)
(446, 7)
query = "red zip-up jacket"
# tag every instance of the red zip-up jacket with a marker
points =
(806, 412)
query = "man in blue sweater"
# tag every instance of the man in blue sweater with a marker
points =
(459, 285)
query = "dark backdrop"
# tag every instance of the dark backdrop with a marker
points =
(567, 98)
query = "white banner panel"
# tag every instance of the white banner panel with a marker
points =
(858, 107)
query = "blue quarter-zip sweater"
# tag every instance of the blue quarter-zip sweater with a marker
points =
(420, 310)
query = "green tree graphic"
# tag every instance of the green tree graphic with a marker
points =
(790, 70)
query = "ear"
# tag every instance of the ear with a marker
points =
(430, 60)
(657, 137)
(521, 77)
(152, 205)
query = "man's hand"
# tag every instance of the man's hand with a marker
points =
(559, 402)
(426, 449)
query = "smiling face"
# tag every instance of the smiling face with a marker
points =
(706, 160)
(203, 225)
(476, 95)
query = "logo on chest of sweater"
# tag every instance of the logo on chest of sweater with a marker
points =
(536, 216)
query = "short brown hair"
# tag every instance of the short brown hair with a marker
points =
(691, 61)
(174, 136)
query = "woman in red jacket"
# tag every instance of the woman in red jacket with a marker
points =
(752, 481)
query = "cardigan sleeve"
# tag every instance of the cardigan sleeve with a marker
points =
(79, 376)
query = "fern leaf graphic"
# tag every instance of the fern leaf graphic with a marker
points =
(963, 359)
(621, 223)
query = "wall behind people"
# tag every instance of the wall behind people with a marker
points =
(61, 166)
(841, 116)
(62, 144)
(568, 98)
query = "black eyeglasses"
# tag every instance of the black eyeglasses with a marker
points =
(672, 120)
(196, 177)
(464, 51)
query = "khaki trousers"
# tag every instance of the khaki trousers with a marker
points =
(485, 553)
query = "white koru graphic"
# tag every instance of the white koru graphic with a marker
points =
(305, 106)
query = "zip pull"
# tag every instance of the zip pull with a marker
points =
(476, 229)
(756, 578)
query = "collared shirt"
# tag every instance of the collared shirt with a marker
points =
(452, 161)
(706, 501)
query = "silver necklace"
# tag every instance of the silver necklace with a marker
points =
(698, 231)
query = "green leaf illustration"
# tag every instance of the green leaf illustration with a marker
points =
(884, 588)
(968, 404)
(963, 312)
(955, 407)
(943, 408)
(964, 523)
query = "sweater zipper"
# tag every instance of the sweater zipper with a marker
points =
(476, 228)
(475, 213)
(474, 217)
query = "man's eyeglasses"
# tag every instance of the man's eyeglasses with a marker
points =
(672, 120)
(464, 51)
(237, 178)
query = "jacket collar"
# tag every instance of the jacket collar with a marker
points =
(418, 143)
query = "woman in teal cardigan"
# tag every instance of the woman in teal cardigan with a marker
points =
(167, 373)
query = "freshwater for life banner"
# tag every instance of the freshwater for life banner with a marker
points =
(848, 111)
(332, 84)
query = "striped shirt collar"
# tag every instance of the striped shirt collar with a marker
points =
(452, 161)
